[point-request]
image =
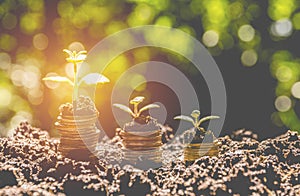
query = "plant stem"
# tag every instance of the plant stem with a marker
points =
(75, 91)
(135, 110)
(196, 122)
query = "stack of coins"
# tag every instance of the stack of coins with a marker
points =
(78, 133)
(139, 146)
(195, 151)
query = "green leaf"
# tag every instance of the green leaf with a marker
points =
(94, 78)
(83, 52)
(183, 117)
(147, 107)
(137, 100)
(58, 79)
(124, 108)
(68, 52)
(195, 114)
(206, 119)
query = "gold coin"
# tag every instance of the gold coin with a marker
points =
(83, 117)
(140, 133)
(65, 127)
(143, 152)
(78, 142)
(137, 138)
(195, 151)
(155, 159)
(68, 148)
(141, 145)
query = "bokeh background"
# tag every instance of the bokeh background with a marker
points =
(254, 43)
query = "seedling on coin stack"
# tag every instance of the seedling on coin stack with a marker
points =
(198, 141)
(76, 121)
(142, 136)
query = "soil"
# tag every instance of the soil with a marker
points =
(142, 124)
(199, 137)
(83, 106)
(31, 164)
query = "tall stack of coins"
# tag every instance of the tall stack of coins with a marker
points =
(77, 133)
(197, 150)
(143, 145)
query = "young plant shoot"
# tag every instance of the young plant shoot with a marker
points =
(90, 79)
(135, 102)
(195, 120)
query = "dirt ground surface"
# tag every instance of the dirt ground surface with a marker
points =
(31, 164)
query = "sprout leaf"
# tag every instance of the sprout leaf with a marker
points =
(195, 114)
(183, 117)
(83, 52)
(124, 108)
(75, 57)
(68, 52)
(147, 107)
(137, 100)
(206, 119)
(94, 78)
(58, 79)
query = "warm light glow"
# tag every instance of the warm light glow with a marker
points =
(19, 117)
(284, 74)
(279, 9)
(141, 15)
(296, 90)
(164, 21)
(249, 57)
(31, 22)
(283, 103)
(69, 69)
(35, 96)
(296, 21)
(51, 84)
(7, 42)
(5, 97)
(5, 61)
(282, 28)
(9, 21)
(210, 38)
(138, 79)
(246, 33)
(17, 75)
(40, 41)
(32, 38)
(76, 46)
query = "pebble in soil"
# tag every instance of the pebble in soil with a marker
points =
(31, 164)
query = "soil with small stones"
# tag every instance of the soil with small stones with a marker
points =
(31, 164)
(142, 124)
(83, 106)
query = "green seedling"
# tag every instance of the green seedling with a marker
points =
(195, 120)
(90, 79)
(135, 113)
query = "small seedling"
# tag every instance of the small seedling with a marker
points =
(194, 119)
(90, 79)
(135, 102)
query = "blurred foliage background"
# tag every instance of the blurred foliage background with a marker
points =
(253, 42)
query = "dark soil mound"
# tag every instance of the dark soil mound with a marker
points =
(142, 124)
(30, 163)
(83, 106)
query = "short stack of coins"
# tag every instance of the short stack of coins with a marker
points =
(139, 146)
(197, 150)
(78, 133)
